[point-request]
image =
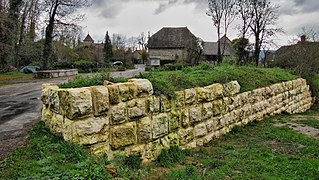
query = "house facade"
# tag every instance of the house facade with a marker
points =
(210, 49)
(171, 44)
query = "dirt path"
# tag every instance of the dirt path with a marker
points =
(295, 123)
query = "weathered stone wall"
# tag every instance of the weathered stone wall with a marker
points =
(168, 54)
(127, 117)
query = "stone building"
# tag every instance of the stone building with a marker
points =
(171, 44)
(210, 49)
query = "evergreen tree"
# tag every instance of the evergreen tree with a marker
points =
(108, 53)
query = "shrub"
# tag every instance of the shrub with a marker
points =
(85, 66)
(98, 79)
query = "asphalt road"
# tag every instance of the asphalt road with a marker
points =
(20, 104)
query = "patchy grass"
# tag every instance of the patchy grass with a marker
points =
(14, 76)
(166, 82)
(256, 151)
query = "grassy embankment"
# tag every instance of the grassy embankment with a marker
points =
(166, 82)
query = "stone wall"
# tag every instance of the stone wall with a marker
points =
(168, 54)
(128, 118)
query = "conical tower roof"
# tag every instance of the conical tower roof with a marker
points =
(89, 39)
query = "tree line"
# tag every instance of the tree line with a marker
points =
(258, 18)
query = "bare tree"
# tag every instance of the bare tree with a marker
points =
(222, 13)
(142, 41)
(263, 23)
(244, 14)
(310, 33)
(119, 41)
(60, 13)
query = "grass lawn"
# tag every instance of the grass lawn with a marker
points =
(14, 76)
(257, 151)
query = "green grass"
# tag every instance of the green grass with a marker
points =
(14, 75)
(166, 82)
(3, 83)
(49, 157)
(98, 79)
(256, 151)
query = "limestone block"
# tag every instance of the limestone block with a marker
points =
(144, 130)
(217, 90)
(228, 104)
(174, 120)
(173, 139)
(45, 95)
(190, 96)
(256, 95)
(68, 129)
(231, 88)
(278, 88)
(154, 104)
(46, 114)
(195, 114)
(185, 117)
(287, 85)
(185, 136)
(297, 83)
(217, 107)
(144, 87)
(76, 103)
(152, 150)
(165, 104)
(212, 124)
(204, 94)
(136, 108)
(118, 113)
(160, 125)
(91, 131)
(100, 98)
(207, 111)
(114, 93)
(56, 123)
(269, 93)
(226, 120)
(165, 142)
(128, 91)
(200, 130)
(123, 135)
(190, 145)
(54, 101)
(100, 149)
(179, 101)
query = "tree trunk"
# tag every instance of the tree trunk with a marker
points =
(47, 50)
(219, 55)
(257, 50)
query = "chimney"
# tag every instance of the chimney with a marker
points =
(303, 39)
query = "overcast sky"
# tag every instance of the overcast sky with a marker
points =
(131, 17)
